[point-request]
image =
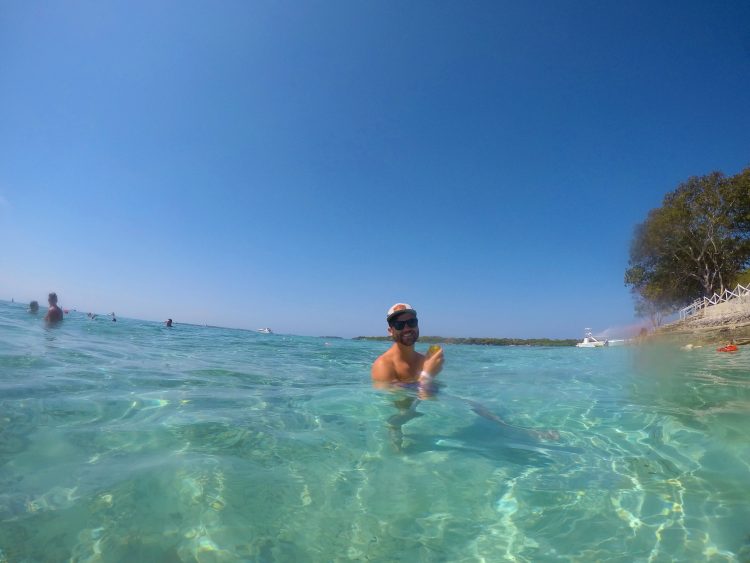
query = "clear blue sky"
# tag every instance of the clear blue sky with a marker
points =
(304, 165)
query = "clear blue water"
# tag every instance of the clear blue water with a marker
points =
(129, 441)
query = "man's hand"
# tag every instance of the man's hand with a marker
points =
(434, 363)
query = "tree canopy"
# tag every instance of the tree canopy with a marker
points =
(695, 244)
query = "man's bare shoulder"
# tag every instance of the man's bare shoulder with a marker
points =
(383, 367)
(386, 358)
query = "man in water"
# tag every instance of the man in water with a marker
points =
(401, 363)
(54, 313)
(34, 307)
(168, 322)
(402, 366)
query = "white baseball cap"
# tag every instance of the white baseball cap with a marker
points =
(399, 308)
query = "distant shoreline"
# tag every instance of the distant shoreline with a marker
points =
(562, 342)
(483, 341)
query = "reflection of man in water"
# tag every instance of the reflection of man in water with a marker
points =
(401, 366)
(54, 313)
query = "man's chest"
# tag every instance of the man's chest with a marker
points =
(406, 371)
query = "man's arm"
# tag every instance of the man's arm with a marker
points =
(433, 364)
(382, 373)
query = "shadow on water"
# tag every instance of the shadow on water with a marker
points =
(493, 441)
(488, 435)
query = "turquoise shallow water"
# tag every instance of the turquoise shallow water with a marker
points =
(129, 441)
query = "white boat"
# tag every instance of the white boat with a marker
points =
(591, 341)
(265, 330)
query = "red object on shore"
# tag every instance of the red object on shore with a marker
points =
(728, 348)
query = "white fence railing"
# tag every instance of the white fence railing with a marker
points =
(715, 299)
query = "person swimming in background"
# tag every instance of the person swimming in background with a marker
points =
(54, 313)
(168, 322)
(114, 319)
(34, 307)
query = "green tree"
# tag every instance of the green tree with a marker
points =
(739, 205)
(694, 245)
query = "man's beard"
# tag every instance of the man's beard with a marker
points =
(406, 338)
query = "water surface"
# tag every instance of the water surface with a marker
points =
(130, 441)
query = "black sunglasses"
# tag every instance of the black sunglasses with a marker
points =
(399, 325)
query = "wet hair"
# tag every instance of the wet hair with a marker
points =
(52, 297)
(34, 305)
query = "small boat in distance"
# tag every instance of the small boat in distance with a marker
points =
(265, 330)
(591, 341)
